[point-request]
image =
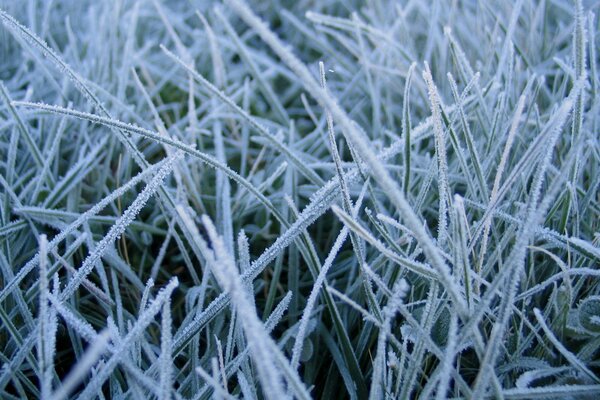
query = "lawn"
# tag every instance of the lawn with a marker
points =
(299, 199)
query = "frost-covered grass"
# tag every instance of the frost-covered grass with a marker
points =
(299, 199)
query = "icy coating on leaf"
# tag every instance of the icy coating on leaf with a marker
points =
(299, 199)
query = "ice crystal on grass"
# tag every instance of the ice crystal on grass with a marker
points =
(401, 234)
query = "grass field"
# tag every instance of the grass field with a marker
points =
(299, 199)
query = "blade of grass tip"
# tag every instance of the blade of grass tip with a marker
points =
(361, 145)
(406, 125)
(379, 378)
(468, 136)
(499, 171)
(215, 373)
(346, 201)
(220, 367)
(44, 319)
(440, 150)
(461, 250)
(146, 294)
(307, 313)
(121, 349)
(290, 155)
(244, 260)
(466, 71)
(166, 358)
(223, 268)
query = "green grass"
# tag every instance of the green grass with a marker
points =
(296, 199)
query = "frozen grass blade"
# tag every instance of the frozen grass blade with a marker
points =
(512, 197)
(166, 359)
(440, 152)
(406, 126)
(500, 170)
(45, 351)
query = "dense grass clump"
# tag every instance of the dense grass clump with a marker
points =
(299, 199)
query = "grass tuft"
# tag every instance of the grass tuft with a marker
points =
(271, 200)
